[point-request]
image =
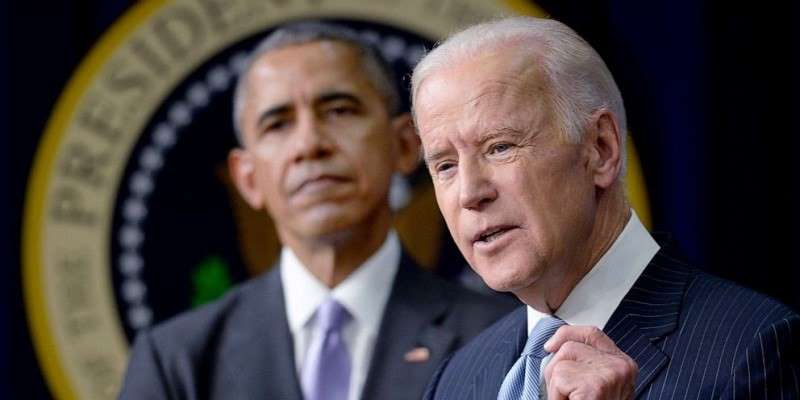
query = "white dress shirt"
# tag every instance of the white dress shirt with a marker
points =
(595, 298)
(364, 294)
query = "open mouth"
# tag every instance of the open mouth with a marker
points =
(492, 234)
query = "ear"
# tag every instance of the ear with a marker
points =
(407, 143)
(242, 169)
(605, 148)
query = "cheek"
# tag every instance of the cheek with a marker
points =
(555, 209)
(375, 171)
(371, 154)
(447, 200)
(528, 195)
(268, 179)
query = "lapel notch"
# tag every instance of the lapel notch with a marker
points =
(648, 313)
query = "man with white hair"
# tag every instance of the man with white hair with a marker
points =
(523, 129)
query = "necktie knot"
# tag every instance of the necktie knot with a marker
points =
(541, 333)
(332, 316)
(523, 379)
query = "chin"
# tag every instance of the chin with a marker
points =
(327, 218)
(506, 279)
(499, 286)
(329, 227)
(497, 280)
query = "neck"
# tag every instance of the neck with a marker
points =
(331, 258)
(611, 216)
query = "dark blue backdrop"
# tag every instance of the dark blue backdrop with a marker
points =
(711, 91)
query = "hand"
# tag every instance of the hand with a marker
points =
(587, 365)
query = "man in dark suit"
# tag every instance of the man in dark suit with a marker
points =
(346, 314)
(523, 130)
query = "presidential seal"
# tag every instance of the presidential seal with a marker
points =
(130, 215)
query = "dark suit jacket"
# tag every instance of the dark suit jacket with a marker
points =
(240, 346)
(694, 336)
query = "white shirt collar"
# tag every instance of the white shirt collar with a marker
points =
(364, 293)
(597, 295)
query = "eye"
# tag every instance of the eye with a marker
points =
(444, 166)
(444, 169)
(340, 110)
(500, 148)
(275, 125)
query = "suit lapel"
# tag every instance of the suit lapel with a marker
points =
(506, 343)
(263, 345)
(408, 323)
(647, 313)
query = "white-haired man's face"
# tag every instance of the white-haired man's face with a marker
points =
(517, 197)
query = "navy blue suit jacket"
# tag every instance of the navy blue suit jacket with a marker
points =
(694, 336)
(240, 346)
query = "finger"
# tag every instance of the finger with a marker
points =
(581, 352)
(568, 352)
(563, 379)
(573, 351)
(589, 335)
(588, 371)
(595, 360)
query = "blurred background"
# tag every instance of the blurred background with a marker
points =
(711, 91)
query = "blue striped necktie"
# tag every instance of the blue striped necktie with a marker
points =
(522, 381)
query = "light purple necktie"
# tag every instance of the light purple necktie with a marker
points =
(326, 370)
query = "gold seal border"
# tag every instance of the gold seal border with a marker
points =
(36, 308)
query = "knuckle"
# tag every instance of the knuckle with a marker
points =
(556, 380)
(634, 367)
(557, 369)
(596, 387)
(575, 346)
(594, 333)
(570, 348)
(629, 365)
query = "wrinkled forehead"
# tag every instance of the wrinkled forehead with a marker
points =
(477, 92)
(508, 57)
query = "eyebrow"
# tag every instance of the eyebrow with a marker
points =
(494, 133)
(500, 131)
(326, 97)
(431, 158)
(279, 109)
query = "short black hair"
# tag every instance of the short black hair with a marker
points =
(377, 68)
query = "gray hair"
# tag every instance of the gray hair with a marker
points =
(580, 82)
(376, 68)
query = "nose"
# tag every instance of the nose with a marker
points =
(476, 188)
(311, 139)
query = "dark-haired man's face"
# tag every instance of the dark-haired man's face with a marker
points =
(319, 146)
